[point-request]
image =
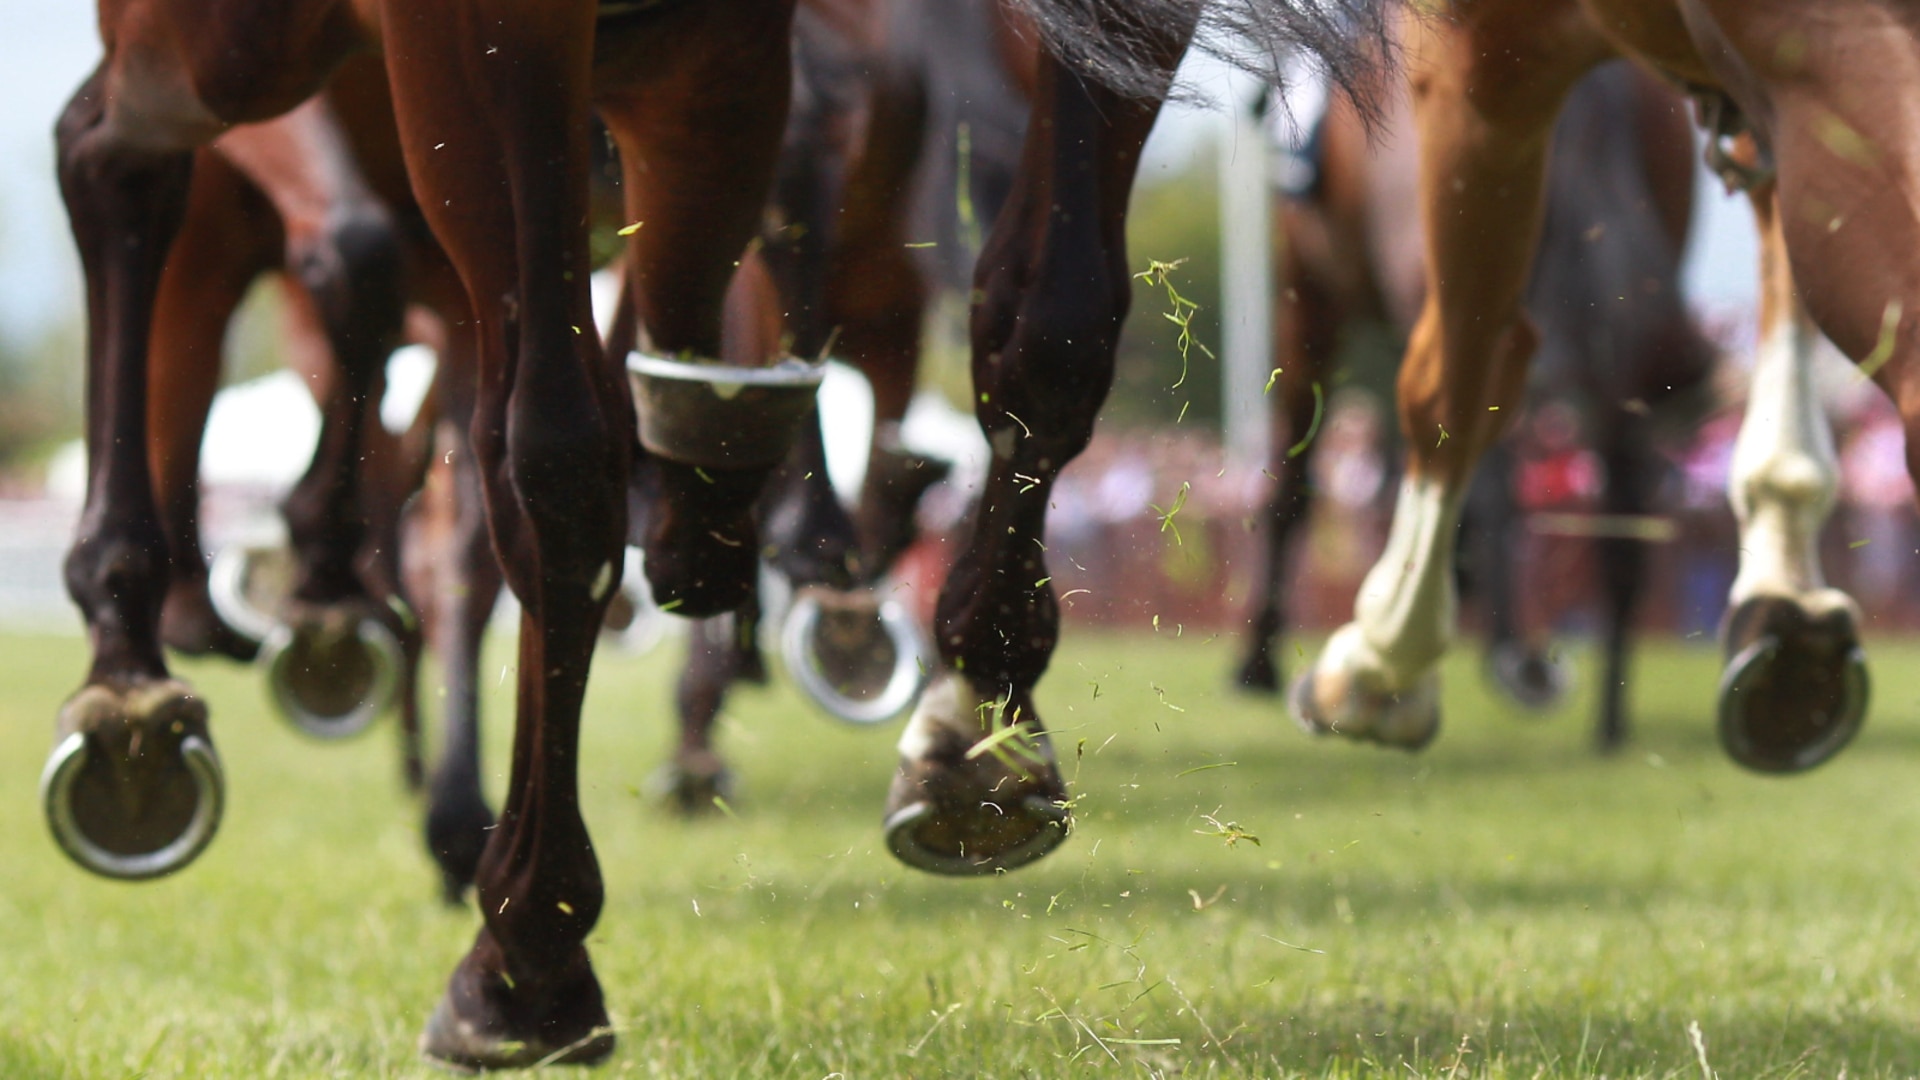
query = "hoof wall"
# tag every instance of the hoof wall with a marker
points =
(485, 1022)
(1405, 721)
(457, 1044)
(1527, 676)
(691, 788)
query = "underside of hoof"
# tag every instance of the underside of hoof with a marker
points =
(133, 790)
(487, 1021)
(332, 671)
(1795, 689)
(1530, 677)
(1406, 720)
(858, 656)
(992, 838)
(972, 799)
(693, 784)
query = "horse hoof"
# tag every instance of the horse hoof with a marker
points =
(1408, 720)
(248, 585)
(1795, 689)
(457, 829)
(133, 790)
(190, 626)
(1258, 674)
(691, 786)
(485, 1022)
(1529, 677)
(333, 674)
(968, 801)
(857, 656)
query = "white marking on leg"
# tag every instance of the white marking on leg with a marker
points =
(1785, 474)
(1403, 618)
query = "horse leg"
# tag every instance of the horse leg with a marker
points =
(1795, 687)
(1517, 666)
(133, 789)
(393, 471)
(696, 776)
(877, 295)
(229, 238)
(458, 819)
(1486, 88)
(493, 111)
(335, 663)
(1307, 336)
(978, 790)
(698, 532)
(1631, 468)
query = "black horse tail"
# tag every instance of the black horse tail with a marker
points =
(1113, 42)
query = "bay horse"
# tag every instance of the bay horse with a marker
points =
(1488, 79)
(492, 105)
(1616, 343)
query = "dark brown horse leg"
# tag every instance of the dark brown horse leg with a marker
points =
(1491, 525)
(699, 533)
(393, 471)
(681, 89)
(458, 819)
(231, 236)
(491, 101)
(695, 776)
(499, 153)
(877, 295)
(133, 789)
(336, 661)
(1631, 467)
(978, 790)
(1307, 336)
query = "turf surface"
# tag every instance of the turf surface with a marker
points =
(1504, 905)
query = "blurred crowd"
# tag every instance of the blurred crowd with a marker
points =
(1157, 529)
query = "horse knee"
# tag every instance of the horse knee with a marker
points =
(352, 267)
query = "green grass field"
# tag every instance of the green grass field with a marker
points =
(1504, 905)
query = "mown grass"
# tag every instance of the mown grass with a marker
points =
(1505, 905)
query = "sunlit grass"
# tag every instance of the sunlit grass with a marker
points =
(1504, 905)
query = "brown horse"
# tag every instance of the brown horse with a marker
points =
(1615, 332)
(492, 102)
(1822, 88)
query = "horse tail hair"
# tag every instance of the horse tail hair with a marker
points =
(1117, 43)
